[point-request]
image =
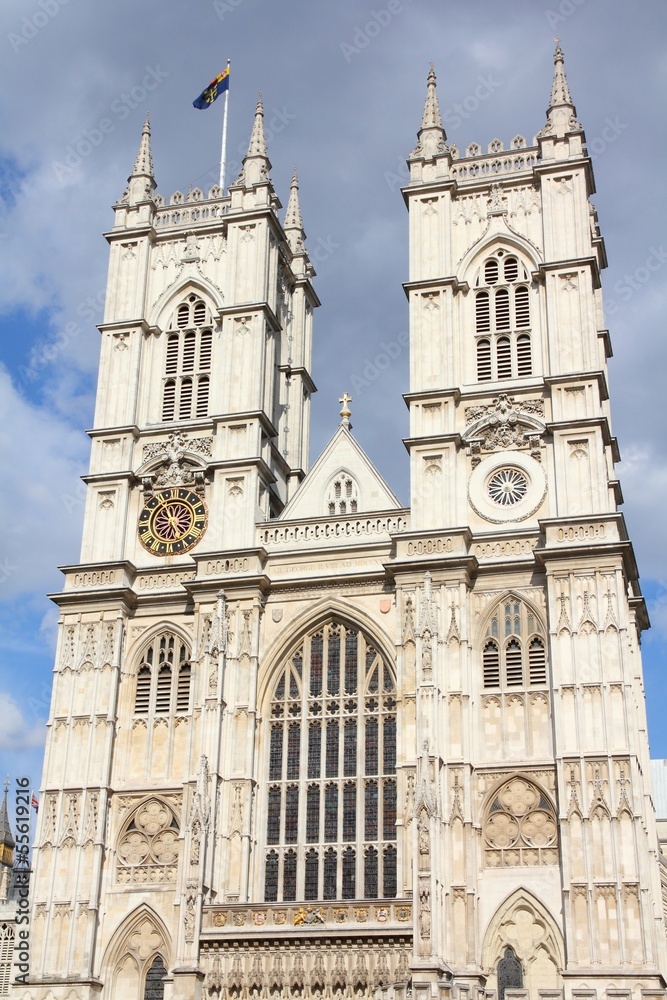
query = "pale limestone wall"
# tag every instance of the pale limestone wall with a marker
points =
(524, 813)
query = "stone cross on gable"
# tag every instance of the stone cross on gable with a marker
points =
(345, 412)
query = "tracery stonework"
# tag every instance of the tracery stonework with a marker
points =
(335, 748)
(521, 827)
(148, 849)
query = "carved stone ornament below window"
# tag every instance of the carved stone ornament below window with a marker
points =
(148, 850)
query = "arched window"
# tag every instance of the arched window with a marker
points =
(514, 648)
(331, 798)
(343, 495)
(502, 319)
(164, 677)
(6, 953)
(510, 973)
(520, 826)
(154, 987)
(185, 391)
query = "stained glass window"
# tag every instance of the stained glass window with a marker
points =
(351, 656)
(349, 873)
(316, 644)
(389, 745)
(389, 810)
(291, 814)
(371, 746)
(273, 817)
(371, 810)
(389, 882)
(333, 731)
(314, 749)
(371, 873)
(350, 811)
(312, 875)
(343, 689)
(333, 664)
(276, 754)
(271, 877)
(154, 988)
(350, 748)
(313, 814)
(330, 873)
(289, 876)
(293, 747)
(331, 813)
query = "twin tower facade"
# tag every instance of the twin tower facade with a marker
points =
(307, 742)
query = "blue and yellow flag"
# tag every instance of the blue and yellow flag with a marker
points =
(215, 87)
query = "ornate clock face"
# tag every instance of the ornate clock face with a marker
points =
(172, 521)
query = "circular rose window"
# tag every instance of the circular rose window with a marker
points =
(507, 487)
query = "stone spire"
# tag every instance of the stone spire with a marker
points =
(256, 164)
(141, 182)
(561, 113)
(431, 137)
(7, 842)
(293, 221)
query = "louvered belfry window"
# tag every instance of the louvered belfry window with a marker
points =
(514, 648)
(164, 677)
(502, 319)
(331, 766)
(189, 345)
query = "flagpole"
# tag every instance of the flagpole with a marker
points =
(223, 153)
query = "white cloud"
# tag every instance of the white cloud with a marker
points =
(15, 732)
(41, 507)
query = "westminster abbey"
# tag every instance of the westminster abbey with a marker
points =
(305, 741)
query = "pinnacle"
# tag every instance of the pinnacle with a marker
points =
(431, 117)
(257, 145)
(561, 113)
(431, 137)
(293, 218)
(560, 92)
(143, 165)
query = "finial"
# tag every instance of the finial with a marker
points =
(561, 113)
(7, 783)
(345, 412)
(293, 220)
(256, 163)
(431, 136)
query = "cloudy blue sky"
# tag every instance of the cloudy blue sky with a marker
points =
(343, 86)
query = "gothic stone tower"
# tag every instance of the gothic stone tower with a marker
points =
(307, 742)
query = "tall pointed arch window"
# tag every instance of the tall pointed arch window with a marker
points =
(331, 765)
(164, 677)
(502, 319)
(343, 495)
(189, 345)
(514, 654)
